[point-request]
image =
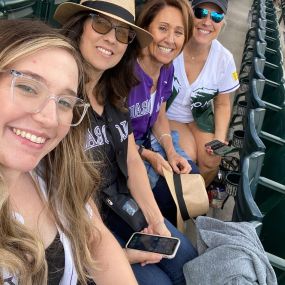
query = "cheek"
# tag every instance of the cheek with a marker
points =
(179, 44)
(84, 47)
(122, 49)
(63, 131)
(61, 134)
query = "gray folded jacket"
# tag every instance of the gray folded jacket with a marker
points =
(229, 254)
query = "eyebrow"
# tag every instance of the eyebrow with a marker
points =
(41, 79)
(165, 23)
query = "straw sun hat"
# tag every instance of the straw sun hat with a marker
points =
(121, 10)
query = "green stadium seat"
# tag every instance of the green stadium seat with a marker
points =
(11, 9)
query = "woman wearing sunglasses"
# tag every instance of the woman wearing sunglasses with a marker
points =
(103, 32)
(205, 76)
(50, 230)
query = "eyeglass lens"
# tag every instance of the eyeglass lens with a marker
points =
(103, 26)
(32, 96)
(201, 13)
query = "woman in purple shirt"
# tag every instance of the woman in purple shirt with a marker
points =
(170, 22)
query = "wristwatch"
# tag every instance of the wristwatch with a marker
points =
(140, 149)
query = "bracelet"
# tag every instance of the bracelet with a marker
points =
(164, 135)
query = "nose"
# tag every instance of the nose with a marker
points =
(111, 36)
(207, 20)
(171, 37)
(47, 115)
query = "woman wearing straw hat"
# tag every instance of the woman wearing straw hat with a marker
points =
(103, 32)
(205, 76)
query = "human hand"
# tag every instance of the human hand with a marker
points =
(157, 228)
(178, 163)
(214, 144)
(142, 257)
(158, 162)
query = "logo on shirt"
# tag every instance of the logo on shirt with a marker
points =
(202, 97)
(97, 136)
(140, 109)
(235, 75)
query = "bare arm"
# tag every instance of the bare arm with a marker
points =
(113, 266)
(140, 189)
(160, 128)
(222, 106)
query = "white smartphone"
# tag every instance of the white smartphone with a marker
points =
(167, 246)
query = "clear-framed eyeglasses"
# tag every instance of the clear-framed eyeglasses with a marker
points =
(32, 96)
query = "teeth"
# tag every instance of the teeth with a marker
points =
(204, 31)
(105, 51)
(28, 136)
(164, 49)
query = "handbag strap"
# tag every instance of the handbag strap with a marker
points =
(179, 195)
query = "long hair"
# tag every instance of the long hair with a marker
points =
(116, 82)
(151, 8)
(69, 177)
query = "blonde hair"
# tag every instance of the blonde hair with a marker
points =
(69, 176)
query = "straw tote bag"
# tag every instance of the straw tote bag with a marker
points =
(189, 194)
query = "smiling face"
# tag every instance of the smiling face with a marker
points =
(206, 30)
(168, 35)
(101, 51)
(26, 138)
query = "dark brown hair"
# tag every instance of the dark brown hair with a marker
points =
(152, 7)
(116, 82)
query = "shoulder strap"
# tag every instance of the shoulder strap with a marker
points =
(179, 195)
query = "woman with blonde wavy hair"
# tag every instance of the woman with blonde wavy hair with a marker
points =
(50, 232)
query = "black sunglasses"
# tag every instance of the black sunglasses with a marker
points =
(103, 26)
(201, 13)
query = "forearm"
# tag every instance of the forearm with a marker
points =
(113, 266)
(138, 183)
(222, 116)
(140, 189)
(161, 131)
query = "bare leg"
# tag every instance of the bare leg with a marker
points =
(186, 139)
(208, 164)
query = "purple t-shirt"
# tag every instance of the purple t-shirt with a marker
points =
(139, 100)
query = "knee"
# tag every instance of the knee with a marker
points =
(209, 163)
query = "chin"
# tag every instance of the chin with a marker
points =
(24, 164)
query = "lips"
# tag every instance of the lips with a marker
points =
(29, 136)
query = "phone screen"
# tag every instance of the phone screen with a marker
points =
(153, 243)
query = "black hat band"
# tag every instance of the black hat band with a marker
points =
(110, 8)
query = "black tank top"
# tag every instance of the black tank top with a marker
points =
(55, 261)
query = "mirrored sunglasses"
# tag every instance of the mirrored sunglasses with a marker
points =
(201, 13)
(103, 26)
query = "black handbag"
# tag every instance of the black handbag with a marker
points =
(125, 207)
